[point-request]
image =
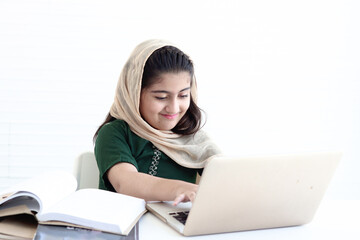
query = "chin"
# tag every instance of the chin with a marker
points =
(167, 127)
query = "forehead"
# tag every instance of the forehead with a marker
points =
(172, 80)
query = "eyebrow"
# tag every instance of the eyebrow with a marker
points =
(163, 91)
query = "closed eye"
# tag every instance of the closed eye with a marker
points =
(160, 98)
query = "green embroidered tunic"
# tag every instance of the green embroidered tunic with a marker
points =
(116, 143)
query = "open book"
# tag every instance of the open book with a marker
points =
(52, 199)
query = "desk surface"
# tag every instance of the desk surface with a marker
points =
(333, 220)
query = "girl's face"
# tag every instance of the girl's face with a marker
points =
(164, 103)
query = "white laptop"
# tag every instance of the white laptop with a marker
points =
(248, 193)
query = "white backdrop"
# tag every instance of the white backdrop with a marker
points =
(273, 76)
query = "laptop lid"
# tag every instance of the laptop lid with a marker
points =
(247, 193)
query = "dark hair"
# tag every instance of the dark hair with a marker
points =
(169, 59)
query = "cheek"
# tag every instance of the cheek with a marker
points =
(153, 107)
(148, 107)
(145, 106)
(185, 106)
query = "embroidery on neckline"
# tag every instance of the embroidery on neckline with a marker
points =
(155, 162)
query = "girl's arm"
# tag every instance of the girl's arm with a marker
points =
(125, 178)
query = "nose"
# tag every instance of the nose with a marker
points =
(173, 106)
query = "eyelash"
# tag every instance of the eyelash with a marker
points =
(163, 98)
(160, 98)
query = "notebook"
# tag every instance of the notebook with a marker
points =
(248, 193)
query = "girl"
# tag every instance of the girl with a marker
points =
(150, 145)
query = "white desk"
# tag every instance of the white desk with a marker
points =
(333, 220)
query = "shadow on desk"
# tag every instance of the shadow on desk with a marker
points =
(47, 232)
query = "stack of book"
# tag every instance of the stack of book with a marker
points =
(52, 199)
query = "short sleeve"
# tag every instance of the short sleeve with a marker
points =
(112, 147)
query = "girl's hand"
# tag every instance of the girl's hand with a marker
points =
(187, 194)
(125, 179)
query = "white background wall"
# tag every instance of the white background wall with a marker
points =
(273, 76)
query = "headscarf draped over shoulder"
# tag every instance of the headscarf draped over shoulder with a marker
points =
(191, 151)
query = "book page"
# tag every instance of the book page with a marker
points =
(28, 199)
(49, 188)
(21, 199)
(98, 209)
(21, 226)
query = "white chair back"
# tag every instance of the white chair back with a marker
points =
(86, 171)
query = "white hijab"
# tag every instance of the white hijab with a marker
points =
(191, 151)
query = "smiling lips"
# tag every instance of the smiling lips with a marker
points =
(170, 116)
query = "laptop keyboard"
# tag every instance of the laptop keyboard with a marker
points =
(180, 216)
